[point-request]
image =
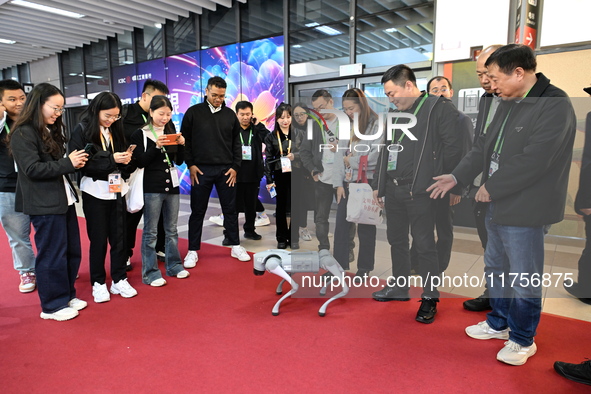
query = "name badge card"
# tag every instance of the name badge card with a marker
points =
(115, 183)
(246, 152)
(392, 160)
(174, 176)
(285, 164)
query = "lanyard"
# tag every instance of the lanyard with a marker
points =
(7, 128)
(415, 114)
(144, 117)
(501, 138)
(249, 137)
(163, 148)
(490, 115)
(281, 147)
(103, 141)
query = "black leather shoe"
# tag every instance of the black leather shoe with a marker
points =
(253, 235)
(391, 294)
(128, 266)
(282, 245)
(427, 311)
(226, 242)
(361, 273)
(575, 291)
(479, 304)
(580, 373)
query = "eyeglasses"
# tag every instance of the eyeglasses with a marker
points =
(437, 90)
(217, 96)
(56, 110)
(113, 118)
(300, 115)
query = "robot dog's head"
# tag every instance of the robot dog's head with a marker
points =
(261, 258)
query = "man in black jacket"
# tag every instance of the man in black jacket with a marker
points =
(525, 157)
(17, 225)
(135, 117)
(252, 135)
(213, 154)
(403, 175)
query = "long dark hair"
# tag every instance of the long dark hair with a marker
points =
(366, 114)
(91, 120)
(283, 107)
(305, 108)
(159, 102)
(32, 115)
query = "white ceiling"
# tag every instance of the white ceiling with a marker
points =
(39, 34)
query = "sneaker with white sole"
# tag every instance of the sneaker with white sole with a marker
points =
(77, 304)
(191, 259)
(515, 354)
(261, 220)
(183, 274)
(28, 282)
(218, 219)
(100, 293)
(158, 282)
(123, 288)
(61, 315)
(483, 331)
(305, 234)
(239, 253)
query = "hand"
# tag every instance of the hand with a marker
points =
(316, 177)
(454, 199)
(194, 170)
(586, 211)
(444, 184)
(482, 195)
(122, 157)
(270, 185)
(161, 141)
(231, 173)
(340, 193)
(378, 200)
(333, 147)
(290, 156)
(180, 139)
(78, 158)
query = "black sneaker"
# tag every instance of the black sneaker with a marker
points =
(478, 304)
(253, 235)
(427, 311)
(391, 294)
(226, 242)
(575, 290)
(580, 373)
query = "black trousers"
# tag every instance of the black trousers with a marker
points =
(105, 222)
(584, 278)
(212, 175)
(132, 221)
(417, 214)
(246, 198)
(283, 188)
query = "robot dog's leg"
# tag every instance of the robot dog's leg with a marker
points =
(329, 263)
(279, 289)
(274, 267)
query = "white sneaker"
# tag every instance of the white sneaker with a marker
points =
(100, 293)
(305, 234)
(77, 303)
(158, 282)
(61, 315)
(483, 331)
(124, 288)
(515, 354)
(261, 220)
(219, 219)
(183, 274)
(191, 259)
(240, 253)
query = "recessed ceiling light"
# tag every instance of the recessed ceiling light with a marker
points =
(5, 41)
(297, 46)
(45, 8)
(391, 30)
(328, 30)
(158, 25)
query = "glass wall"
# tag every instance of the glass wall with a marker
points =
(149, 43)
(261, 18)
(218, 27)
(180, 36)
(122, 49)
(73, 76)
(96, 68)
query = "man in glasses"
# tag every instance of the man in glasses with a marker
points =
(16, 224)
(135, 117)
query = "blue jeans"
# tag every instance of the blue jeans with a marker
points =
(513, 256)
(17, 226)
(154, 203)
(57, 238)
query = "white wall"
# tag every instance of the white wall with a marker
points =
(45, 70)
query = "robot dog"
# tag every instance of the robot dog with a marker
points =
(283, 263)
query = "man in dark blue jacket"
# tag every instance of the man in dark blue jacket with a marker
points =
(525, 158)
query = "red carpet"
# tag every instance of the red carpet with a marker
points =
(214, 332)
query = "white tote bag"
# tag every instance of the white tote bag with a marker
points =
(361, 207)
(135, 196)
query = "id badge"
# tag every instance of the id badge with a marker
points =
(174, 176)
(115, 183)
(246, 152)
(392, 160)
(285, 164)
(494, 166)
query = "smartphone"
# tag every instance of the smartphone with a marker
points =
(89, 149)
(131, 148)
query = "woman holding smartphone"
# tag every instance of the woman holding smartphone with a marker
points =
(103, 186)
(159, 147)
(279, 157)
(45, 193)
